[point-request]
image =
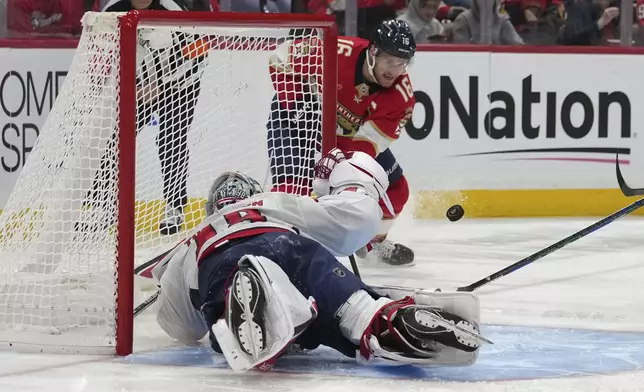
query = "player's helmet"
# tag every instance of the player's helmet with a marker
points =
(229, 188)
(394, 37)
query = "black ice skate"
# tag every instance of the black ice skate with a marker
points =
(246, 302)
(387, 252)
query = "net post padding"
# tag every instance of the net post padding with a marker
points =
(102, 176)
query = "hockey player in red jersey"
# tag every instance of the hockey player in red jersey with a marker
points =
(375, 100)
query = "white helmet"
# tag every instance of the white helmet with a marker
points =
(363, 171)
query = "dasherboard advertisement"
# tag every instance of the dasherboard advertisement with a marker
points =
(522, 121)
(483, 121)
(30, 80)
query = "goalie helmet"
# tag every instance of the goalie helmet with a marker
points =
(229, 188)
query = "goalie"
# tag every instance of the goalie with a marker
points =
(261, 274)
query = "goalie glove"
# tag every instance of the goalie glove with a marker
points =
(337, 172)
(323, 169)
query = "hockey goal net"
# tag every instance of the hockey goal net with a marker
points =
(156, 105)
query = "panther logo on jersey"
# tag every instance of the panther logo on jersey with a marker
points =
(348, 123)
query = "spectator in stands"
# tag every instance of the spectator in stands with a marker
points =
(190, 5)
(467, 4)
(3, 19)
(279, 6)
(467, 26)
(299, 6)
(638, 27)
(370, 12)
(421, 18)
(589, 22)
(537, 21)
(201, 5)
(29, 18)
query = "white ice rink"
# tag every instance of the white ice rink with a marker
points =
(589, 296)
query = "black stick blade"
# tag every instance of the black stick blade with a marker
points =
(623, 186)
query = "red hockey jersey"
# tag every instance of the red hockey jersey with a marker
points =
(44, 17)
(369, 117)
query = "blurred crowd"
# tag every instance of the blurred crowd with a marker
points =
(496, 22)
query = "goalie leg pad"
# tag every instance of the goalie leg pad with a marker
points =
(264, 314)
(176, 314)
(420, 325)
(407, 334)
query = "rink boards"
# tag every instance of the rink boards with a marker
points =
(503, 132)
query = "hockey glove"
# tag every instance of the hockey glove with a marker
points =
(323, 169)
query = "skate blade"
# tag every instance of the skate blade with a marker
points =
(249, 333)
(451, 327)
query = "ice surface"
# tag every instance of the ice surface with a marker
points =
(578, 297)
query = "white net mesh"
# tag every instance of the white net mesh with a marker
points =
(205, 97)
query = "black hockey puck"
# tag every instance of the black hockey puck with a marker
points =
(455, 212)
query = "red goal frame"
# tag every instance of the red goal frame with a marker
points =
(128, 24)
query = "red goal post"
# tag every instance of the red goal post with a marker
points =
(129, 25)
(95, 158)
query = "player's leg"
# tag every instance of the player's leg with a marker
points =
(217, 271)
(299, 268)
(176, 313)
(293, 138)
(381, 249)
(96, 200)
(413, 329)
(350, 315)
(310, 269)
(349, 310)
(176, 112)
(253, 311)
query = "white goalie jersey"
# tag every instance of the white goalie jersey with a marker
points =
(342, 223)
(343, 219)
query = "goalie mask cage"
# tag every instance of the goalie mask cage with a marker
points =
(155, 106)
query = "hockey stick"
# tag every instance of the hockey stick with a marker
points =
(147, 303)
(354, 265)
(556, 246)
(623, 186)
(145, 270)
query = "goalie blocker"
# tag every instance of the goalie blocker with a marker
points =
(262, 273)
